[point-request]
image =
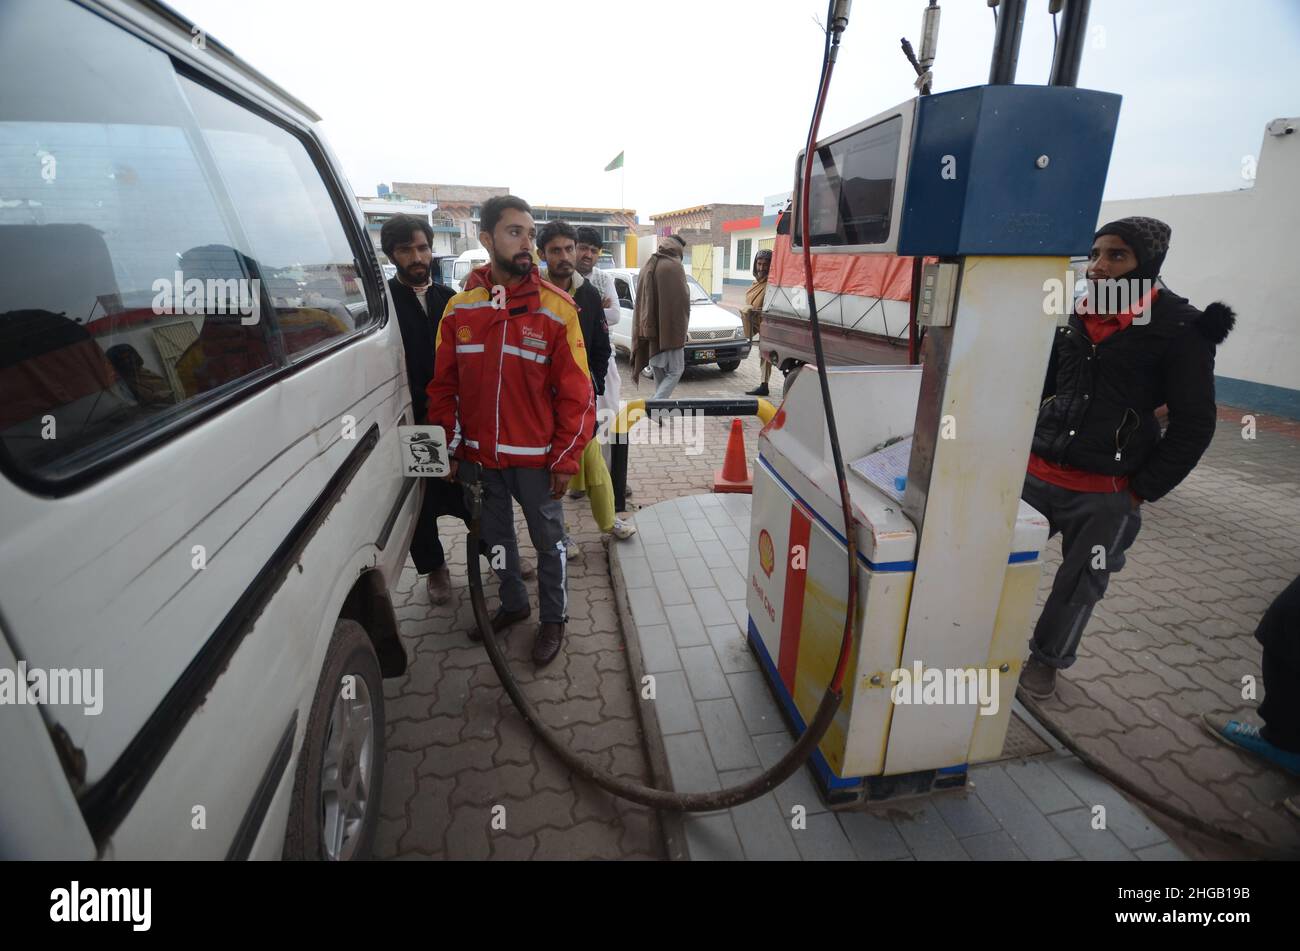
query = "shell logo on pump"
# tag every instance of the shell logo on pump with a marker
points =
(766, 552)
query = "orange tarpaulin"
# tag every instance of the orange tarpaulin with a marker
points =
(886, 276)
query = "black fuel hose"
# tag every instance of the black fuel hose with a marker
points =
(470, 476)
(795, 757)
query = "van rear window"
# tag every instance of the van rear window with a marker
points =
(160, 245)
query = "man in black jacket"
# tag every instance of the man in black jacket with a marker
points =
(1098, 454)
(419, 303)
(557, 243)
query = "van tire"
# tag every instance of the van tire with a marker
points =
(729, 366)
(350, 653)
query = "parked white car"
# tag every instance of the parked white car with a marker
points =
(714, 334)
(202, 509)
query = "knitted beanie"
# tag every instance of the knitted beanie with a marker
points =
(1148, 237)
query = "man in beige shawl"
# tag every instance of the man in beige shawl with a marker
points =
(663, 312)
(752, 315)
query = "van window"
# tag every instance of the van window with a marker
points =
(160, 246)
(288, 220)
(622, 289)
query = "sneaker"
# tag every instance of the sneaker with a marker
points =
(760, 390)
(1246, 736)
(500, 621)
(438, 582)
(623, 528)
(1038, 680)
(550, 637)
(573, 551)
(577, 494)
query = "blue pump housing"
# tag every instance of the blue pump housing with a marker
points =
(1014, 170)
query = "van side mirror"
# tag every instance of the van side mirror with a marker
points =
(624, 302)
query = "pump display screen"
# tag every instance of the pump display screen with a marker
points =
(852, 191)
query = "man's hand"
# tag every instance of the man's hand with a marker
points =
(606, 303)
(451, 471)
(559, 482)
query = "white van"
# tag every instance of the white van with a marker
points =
(201, 508)
(466, 261)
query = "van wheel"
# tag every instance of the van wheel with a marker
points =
(729, 366)
(335, 805)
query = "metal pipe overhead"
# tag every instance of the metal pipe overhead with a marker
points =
(1069, 45)
(1006, 47)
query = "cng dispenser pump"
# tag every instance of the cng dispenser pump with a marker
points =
(999, 184)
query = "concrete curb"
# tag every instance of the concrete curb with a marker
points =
(670, 823)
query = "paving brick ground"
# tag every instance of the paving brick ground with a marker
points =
(457, 748)
(1174, 636)
(714, 723)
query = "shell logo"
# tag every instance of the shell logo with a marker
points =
(464, 335)
(766, 552)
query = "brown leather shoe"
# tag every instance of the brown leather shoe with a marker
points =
(1038, 680)
(550, 636)
(500, 621)
(438, 582)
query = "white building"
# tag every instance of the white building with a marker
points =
(379, 210)
(746, 237)
(1239, 247)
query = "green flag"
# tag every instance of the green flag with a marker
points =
(617, 163)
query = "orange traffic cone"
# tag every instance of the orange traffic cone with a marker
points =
(734, 476)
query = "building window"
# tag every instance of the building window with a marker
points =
(742, 253)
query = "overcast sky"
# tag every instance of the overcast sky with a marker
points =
(711, 100)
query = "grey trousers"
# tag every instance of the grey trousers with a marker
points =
(1096, 529)
(531, 488)
(667, 367)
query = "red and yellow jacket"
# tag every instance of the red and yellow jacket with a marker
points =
(510, 385)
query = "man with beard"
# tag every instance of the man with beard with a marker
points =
(513, 391)
(557, 242)
(1130, 346)
(419, 303)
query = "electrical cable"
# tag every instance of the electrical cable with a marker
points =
(806, 745)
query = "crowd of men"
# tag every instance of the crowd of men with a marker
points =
(513, 369)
